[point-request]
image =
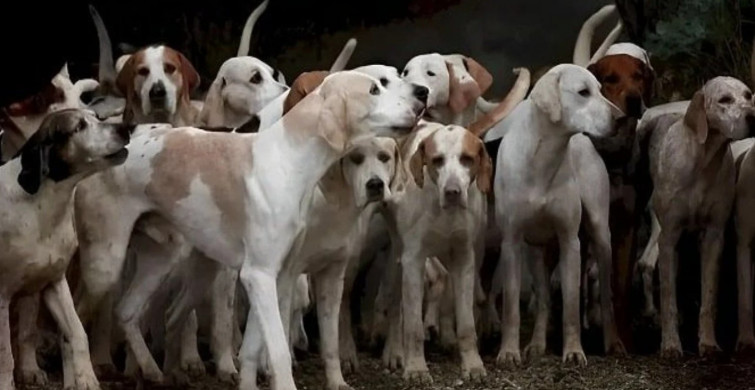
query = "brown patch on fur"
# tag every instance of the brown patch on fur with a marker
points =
(302, 86)
(623, 77)
(185, 156)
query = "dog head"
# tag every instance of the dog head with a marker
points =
(626, 81)
(569, 95)
(353, 104)
(454, 80)
(373, 169)
(70, 143)
(390, 79)
(455, 158)
(244, 86)
(155, 81)
(724, 105)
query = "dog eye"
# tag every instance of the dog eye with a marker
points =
(466, 159)
(636, 76)
(256, 78)
(611, 79)
(430, 73)
(169, 68)
(384, 81)
(405, 72)
(143, 71)
(437, 161)
(726, 100)
(357, 158)
(81, 125)
(584, 92)
(374, 90)
(383, 157)
(748, 95)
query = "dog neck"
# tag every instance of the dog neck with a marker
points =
(544, 146)
(710, 155)
(54, 198)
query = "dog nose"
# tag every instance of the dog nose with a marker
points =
(421, 93)
(375, 187)
(452, 195)
(634, 106)
(157, 91)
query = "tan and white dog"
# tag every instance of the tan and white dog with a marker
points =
(40, 181)
(442, 214)
(238, 210)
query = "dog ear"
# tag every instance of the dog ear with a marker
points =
(124, 84)
(648, 81)
(213, 112)
(481, 75)
(462, 91)
(332, 119)
(545, 95)
(190, 76)
(301, 87)
(34, 162)
(400, 175)
(484, 169)
(696, 119)
(416, 165)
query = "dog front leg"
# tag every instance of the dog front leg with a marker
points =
(671, 345)
(346, 345)
(511, 260)
(74, 343)
(412, 289)
(746, 337)
(712, 246)
(261, 287)
(101, 339)
(570, 268)
(28, 336)
(6, 354)
(462, 272)
(328, 285)
(222, 326)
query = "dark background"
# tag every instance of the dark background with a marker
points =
(302, 35)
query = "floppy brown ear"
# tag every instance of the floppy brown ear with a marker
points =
(481, 75)
(695, 117)
(648, 80)
(400, 175)
(545, 95)
(213, 113)
(190, 76)
(484, 169)
(416, 165)
(301, 87)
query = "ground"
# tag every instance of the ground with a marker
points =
(636, 372)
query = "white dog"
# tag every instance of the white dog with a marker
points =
(546, 178)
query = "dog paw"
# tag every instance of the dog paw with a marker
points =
(508, 358)
(34, 377)
(615, 348)
(350, 366)
(575, 356)
(153, 377)
(709, 350)
(193, 368)
(340, 386)
(418, 375)
(392, 358)
(474, 374)
(671, 351)
(86, 382)
(534, 351)
(230, 377)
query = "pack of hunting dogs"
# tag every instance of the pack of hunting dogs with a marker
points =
(225, 220)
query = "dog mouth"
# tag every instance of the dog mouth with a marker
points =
(118, 156)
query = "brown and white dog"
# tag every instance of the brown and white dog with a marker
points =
(157, 82)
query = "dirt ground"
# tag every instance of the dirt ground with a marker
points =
(636, 372)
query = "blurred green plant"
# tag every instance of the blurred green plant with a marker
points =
(691, 41)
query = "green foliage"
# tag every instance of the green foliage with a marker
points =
(695, 40)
